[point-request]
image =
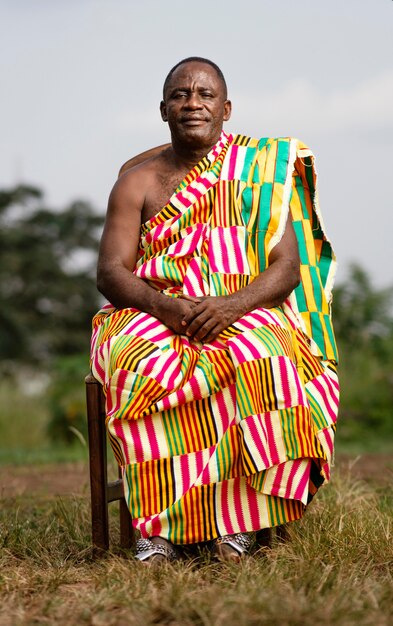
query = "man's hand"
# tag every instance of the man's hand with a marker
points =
(213, 314)
(209, 316)
(175, 311)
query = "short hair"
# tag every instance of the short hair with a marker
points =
(197, 60)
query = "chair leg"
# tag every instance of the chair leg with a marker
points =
(264, 537)
(127, 533)
(282, 532)
(98, 470)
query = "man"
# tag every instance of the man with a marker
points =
(216, 353)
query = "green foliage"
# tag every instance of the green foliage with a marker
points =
(66, 399)
(48, 295)
(47, 268)
(363, 315)
(364, 327)
(25, 416)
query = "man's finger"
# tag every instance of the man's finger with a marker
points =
(197, 323)
(205, 329)
(212, 334)
(189, 317)
(190, 298)
(193, 313)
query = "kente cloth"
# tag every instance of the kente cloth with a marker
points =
(237, 434)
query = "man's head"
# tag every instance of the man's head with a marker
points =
(197, 60)
(195, 103)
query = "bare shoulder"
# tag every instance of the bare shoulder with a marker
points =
(138, 178)
(131, 186)
(140, 190)
(143, 156)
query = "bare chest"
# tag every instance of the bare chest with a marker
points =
(159, 192)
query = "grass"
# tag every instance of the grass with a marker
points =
(23, 429)
(335, 569)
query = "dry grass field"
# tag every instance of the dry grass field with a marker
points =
(336, 568)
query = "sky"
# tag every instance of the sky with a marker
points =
(82, 81)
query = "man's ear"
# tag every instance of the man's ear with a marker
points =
(227, 110)
(163, 111)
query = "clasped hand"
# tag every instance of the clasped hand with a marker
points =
(208, 316)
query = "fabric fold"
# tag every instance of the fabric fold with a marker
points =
(238, 434)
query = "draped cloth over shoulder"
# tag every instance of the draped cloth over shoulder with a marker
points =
(234, 435)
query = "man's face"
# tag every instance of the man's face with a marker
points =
(195, 106)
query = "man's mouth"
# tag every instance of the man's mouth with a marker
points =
(193, 121)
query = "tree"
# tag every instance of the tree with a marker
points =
(47, 276)
(363, 314)
(364, 327)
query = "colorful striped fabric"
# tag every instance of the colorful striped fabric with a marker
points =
(235, 435)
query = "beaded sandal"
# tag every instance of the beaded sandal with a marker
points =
(239, 546)
(149, 551)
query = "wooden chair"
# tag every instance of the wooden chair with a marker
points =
(103, 492)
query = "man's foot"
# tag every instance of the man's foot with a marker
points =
(233, 548)
(156, 550)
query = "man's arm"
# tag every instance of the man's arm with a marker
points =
(269, 289)
(118, 255)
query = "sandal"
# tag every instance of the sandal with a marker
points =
(149, 551)
(233, 547)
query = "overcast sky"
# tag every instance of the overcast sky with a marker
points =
(81, 83)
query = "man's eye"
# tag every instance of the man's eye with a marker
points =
(207, 94)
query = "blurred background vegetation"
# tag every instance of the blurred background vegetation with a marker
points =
(48, 297)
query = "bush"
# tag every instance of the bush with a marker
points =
(66, 399)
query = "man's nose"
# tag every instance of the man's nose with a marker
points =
(194, 101)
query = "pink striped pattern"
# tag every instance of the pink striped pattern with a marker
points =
(214, 438)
